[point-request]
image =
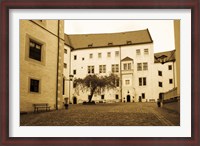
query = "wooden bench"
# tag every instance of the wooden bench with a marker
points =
(38, 106)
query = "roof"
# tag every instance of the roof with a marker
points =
(170, 56)
(127, 59)
(85, 41)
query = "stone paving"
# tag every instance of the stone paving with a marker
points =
(115, 114)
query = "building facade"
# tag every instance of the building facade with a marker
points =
(41, 63)
(129, 55)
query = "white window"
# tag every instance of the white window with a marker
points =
(65, 65)
(116, 53)
(138, 52)
(145, 66)
(127, 66)
(102, 68)
(74, 72)
(91, 55)
(142, 81)
(146, 51)
(90, 69)
(108, 54)
(139, 66)
(99, 55)
(127, 82)
(65, 51)
(115, 68)
(75, 57)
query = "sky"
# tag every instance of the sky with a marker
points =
(162, 31)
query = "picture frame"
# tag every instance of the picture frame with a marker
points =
(6, 6)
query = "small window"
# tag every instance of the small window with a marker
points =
(35, 50)
(102, 96)
(169, 67)
(91, 56)
(129, 66)
(127, 82)
(110, 44)
(146, 51)
(102, 68)
(65, 51)
(140, 81)
(65, 65)
(34, 85)
(138, 52)
(116, 96)
(116, 53)
(90, 69)
(145, 66)
(75, 57)
(125, 67)
(160, 84)
(144, 82)
(129, 42)
(108, 54)
(139, 66)
(160, 73)
(90, 45)
(143, 95)
(83, 58)
(74, 71)
(99, 55)
(115, 68)
(170, 81)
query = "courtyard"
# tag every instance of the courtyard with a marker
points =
(112, 114)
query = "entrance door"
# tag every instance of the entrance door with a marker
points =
(140, 99)
(128, 98)
(74, 100)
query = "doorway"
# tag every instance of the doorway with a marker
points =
(140, 99)
(128, 98)
(74, 100)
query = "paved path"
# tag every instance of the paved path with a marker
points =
(117, 114)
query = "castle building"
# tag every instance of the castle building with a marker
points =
(129, 55)
(41, 63)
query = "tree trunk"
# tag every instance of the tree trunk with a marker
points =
(91, 95)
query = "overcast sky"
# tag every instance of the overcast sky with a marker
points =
(162, 31)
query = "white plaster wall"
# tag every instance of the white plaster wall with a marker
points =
(151, 90)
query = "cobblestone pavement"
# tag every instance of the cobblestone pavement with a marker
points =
(115, 114)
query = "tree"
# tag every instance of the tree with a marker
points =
(95, 84)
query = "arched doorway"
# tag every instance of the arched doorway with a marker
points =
(128, 98)
(74, 100)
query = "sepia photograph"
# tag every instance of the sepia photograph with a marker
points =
(99, 72)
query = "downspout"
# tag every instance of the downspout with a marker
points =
(120, 74)
(174, 75)
(57, 65)
(69, 74)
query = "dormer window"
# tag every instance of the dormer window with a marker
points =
(90, 45)
(129, 42)
(110, 44)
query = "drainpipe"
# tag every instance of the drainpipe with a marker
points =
(57, 66)
(120, 73)
(174, 75)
